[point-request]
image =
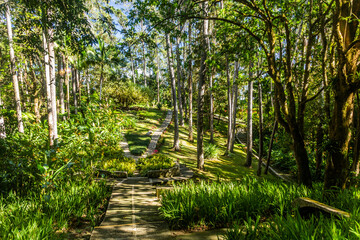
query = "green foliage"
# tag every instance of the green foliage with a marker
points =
(218, 204)
(155, 162)
(38, 217)
(126, 94)
(117, 164)
(137, 143)
(211, 151)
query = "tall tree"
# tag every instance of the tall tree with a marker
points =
(173, 90)
(201, 91)
(190, 87)
(13, 70)
(249, 142)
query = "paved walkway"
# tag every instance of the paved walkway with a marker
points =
(133, 208)
(154, 139)
(132, 213)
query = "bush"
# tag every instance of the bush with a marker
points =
(211, 151)
(126, 94)
(155, 162)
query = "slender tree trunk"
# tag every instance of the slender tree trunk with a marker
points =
(13, 71)
(78, 87)
(132, 66)
(48, 88)
(178, 73)
(53, 84)
(158, 75)
(249, 120)
(67, 79)
(73, 81)
(101, 80)
(191, 138)
(2, 121)
(230, 131)
(173, 89)
(234, 105)
(88, 86)
(261, 137)
(201, 94)
(356, 165)
(61, 85)
(270, 146)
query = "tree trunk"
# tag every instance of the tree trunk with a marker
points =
(13, 71)
(234, 105)
(73, 81)
(249, 142)
(270, 146)
(158, 75)
(53, 84)
(67, 84)
(178, 73)
(261, 138)
(173, 89)
(61, 72)
(78, 87)
(101, 80)
(201, 100)
(191, 137)
(48, 88)
(230, 131)
(2, 121)
(88, 86)
(132, 66)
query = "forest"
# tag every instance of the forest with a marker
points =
(179, 119)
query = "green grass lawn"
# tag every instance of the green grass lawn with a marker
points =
(223, 168)
(147, 120)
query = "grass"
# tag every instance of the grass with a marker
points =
(118, 164)
(229, 167)
(147, 120)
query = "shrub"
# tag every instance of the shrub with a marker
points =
(211, 151)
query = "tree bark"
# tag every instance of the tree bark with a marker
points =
(229, 94)
(101, 80)
(191, 137)
(158, 75)
(73, 81)
(270, 146)
(2, 121)
(13, 70)
(234, 105)
(249, 142)
(61, 72)
(48, 87)
(67, 84)
(261, 137)
(178, 73)
(53, 84)
(173, 90)
(201, 93)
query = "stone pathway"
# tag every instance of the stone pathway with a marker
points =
(154, 139)
(132, 213)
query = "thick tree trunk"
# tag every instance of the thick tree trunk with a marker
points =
(261, 137)
(249, 143)
(173, 89)
(270, 147)
(13, 71)
(191, 137)
(201, 93)
(61, 72)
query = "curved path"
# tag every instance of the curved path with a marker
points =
(132, 212)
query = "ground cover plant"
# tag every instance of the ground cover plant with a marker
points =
(154, 162)
(118, 164)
